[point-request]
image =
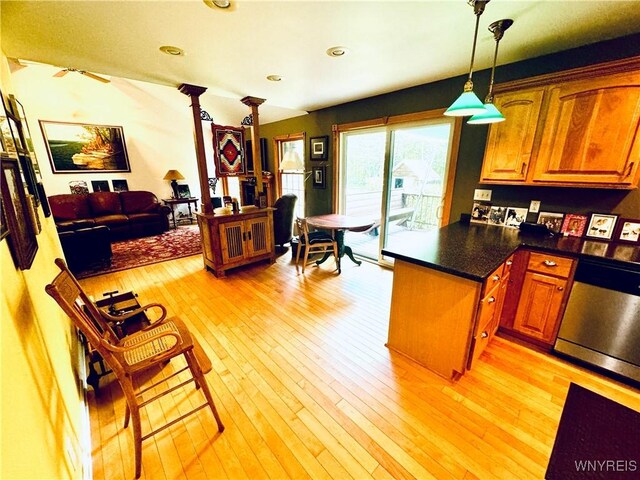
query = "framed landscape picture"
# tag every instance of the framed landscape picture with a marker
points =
(573, 225)
(83, 147)
(601, 225)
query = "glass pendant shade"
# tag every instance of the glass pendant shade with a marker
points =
(467, 104)
(490, 115)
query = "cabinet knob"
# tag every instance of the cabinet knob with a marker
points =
(484, 334)
(550, 263)
(560, 288)
(495, 278)
(509, 263)
(491, 299)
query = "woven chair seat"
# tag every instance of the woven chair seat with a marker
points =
(151, 349)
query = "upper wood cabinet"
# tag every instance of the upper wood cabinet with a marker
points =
(579, 128)
(510, 143)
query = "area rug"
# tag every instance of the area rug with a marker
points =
(180, 242)
(597, 439)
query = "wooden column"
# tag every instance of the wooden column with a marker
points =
(194, 92)
(254, 103)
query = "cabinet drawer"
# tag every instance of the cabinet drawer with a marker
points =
(550, 264)
(492, 280)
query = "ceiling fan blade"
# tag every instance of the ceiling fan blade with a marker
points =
(61, 73)
(95, 77)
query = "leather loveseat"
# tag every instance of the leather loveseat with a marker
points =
(127, 214)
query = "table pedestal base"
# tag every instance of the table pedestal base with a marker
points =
(342, 250)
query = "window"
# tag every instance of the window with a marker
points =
(291, 179)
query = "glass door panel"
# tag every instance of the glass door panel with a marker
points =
(417, 181)
(362, 185)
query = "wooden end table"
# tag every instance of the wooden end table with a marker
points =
(172, 202)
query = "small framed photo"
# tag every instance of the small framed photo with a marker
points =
(553, 221)
(601, 225)
(574, 225)
(100, 185)
(78, 187)
(497, 215)
(319, 175)
(319, 147)
(183, 191)
(515, 216)
(628, 231)
(480, 212)
(120, 185)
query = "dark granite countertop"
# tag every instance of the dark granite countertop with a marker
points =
(473, 251)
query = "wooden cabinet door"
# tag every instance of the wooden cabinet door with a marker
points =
(232, 237)
(510, 143)
(258, 236)
(540, 305)
(590, 132)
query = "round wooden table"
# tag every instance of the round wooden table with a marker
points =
(338, 224)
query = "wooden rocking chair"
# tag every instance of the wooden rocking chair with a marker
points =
(150, 347)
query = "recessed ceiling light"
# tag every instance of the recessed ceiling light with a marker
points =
(217, 3)
(337, 51)
(171, 50)
(274, 78)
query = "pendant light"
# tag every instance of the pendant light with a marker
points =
(468, 103)
(492, 114)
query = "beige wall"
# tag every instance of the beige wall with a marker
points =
(42, 420)
(156, 121)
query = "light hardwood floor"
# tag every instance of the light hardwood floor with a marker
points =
(307, 389)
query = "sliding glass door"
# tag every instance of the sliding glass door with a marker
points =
(400, 176)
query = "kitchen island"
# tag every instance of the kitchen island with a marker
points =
(448, 292)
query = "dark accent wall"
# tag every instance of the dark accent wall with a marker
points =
(473, 139)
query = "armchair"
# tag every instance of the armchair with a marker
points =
(283, 218)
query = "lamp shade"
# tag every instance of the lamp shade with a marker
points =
(490, 115)
(467, 104)
(291, 161)
(173, 175)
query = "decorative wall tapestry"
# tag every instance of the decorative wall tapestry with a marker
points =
(228, 148)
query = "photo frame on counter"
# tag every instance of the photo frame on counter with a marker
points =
(319, 148)
(552, 220)
(574, 225)
(184, 191)
(628, 231)
(601, 226)
(480, 212)
(319, 177)
(515, 216)
(16, 210)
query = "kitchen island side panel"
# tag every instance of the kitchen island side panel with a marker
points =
(432, 317)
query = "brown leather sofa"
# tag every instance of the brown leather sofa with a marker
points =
(127, 214)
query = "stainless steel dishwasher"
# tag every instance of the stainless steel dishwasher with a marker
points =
(601, 324)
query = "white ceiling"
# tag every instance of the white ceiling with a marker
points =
(392, 44)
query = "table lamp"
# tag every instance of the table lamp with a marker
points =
(174, 175)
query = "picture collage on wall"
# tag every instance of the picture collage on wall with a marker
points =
(594, 226)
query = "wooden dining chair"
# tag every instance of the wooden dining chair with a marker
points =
(153, 346)
(314, 242)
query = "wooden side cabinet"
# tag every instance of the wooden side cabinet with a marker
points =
(510, 143)
(543, 292)
(231, 241)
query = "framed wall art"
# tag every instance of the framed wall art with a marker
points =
(120, 185)
(319, 176)
(601, 225)
(228, 150)
(318, 148)
(78, 187)
(83, 147)
(16, 212)
(100, 185)
(628, 231)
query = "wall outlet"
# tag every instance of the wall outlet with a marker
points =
(482, 195)
(534, 207)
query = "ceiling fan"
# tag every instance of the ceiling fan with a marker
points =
(64, 71)
(18, 63)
